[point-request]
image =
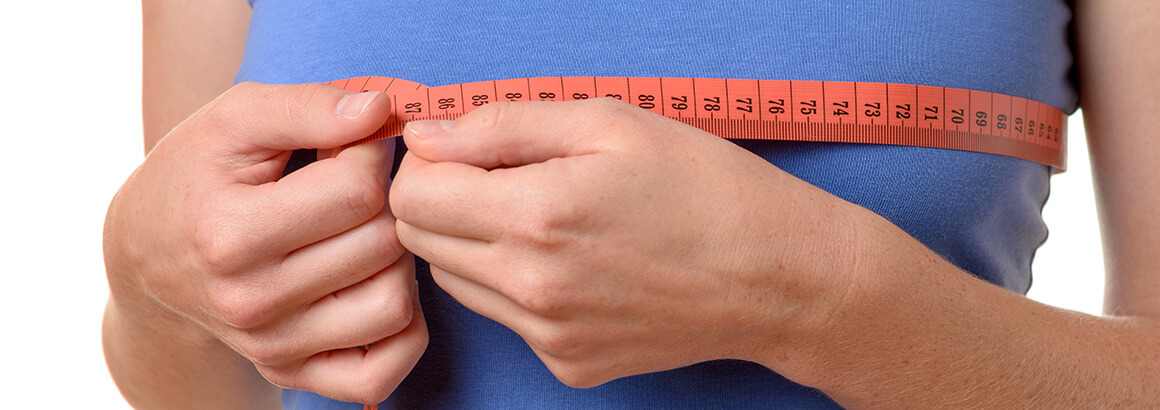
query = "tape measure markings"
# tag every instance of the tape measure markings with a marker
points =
(823, 111)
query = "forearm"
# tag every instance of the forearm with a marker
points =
(914, 331)
(1117, 59)
(925, 333)
(190, 53)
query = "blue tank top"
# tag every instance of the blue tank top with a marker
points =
(981, 212)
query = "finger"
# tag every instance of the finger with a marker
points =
(519, 133)
(481, 299)
(371, 310)
(321, 200)
(454, 198)
(273, 291)
(364, 375)
(467, 256)
(555, 338)
(517, 282)
(261, 117)
(534, 326)
(319, 269)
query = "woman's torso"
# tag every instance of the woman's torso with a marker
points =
(979, 211)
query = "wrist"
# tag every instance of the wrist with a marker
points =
(849, 300)
(132, 308)
(821, 278)
(892, 304)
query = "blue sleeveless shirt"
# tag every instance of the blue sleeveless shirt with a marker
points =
(981, 212)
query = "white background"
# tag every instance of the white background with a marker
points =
(70, 124)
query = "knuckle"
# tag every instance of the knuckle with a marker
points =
(608, 111)
(395, 312)
(245, 87)
(240, 308)
(386, 243)
(534, 232)
(607, 105)
(233, 101)
(283, 107)
(576, 376)
(238, 92)
(376, 385)
(546, 219)
(494, 116)
(246, 90)
(219, 248)
(365, 196)
(217, 255)
(419, 344)
(303, 101)
(368, 388)
(538, 294)
(624, 118)
(555, 341)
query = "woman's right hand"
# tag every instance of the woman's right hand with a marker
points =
(294, 273)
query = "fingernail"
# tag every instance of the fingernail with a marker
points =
(428, 128)
(352, 105)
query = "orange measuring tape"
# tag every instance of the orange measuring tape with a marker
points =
(824, 111)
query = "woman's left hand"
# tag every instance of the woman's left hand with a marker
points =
(618, 242)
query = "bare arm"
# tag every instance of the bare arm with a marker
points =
(960, 342)
(1118, 60)
(159, 360)
(192, 49)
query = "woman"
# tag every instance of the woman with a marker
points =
(615, 249)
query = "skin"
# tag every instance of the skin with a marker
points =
(583, 227)
(224, 265)
(214, 299)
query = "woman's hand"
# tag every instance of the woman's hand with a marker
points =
(295, 273)
(618, 242)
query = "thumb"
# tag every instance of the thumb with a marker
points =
(516, 133)
(263, 118)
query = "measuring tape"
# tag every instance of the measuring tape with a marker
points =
(823, 111)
